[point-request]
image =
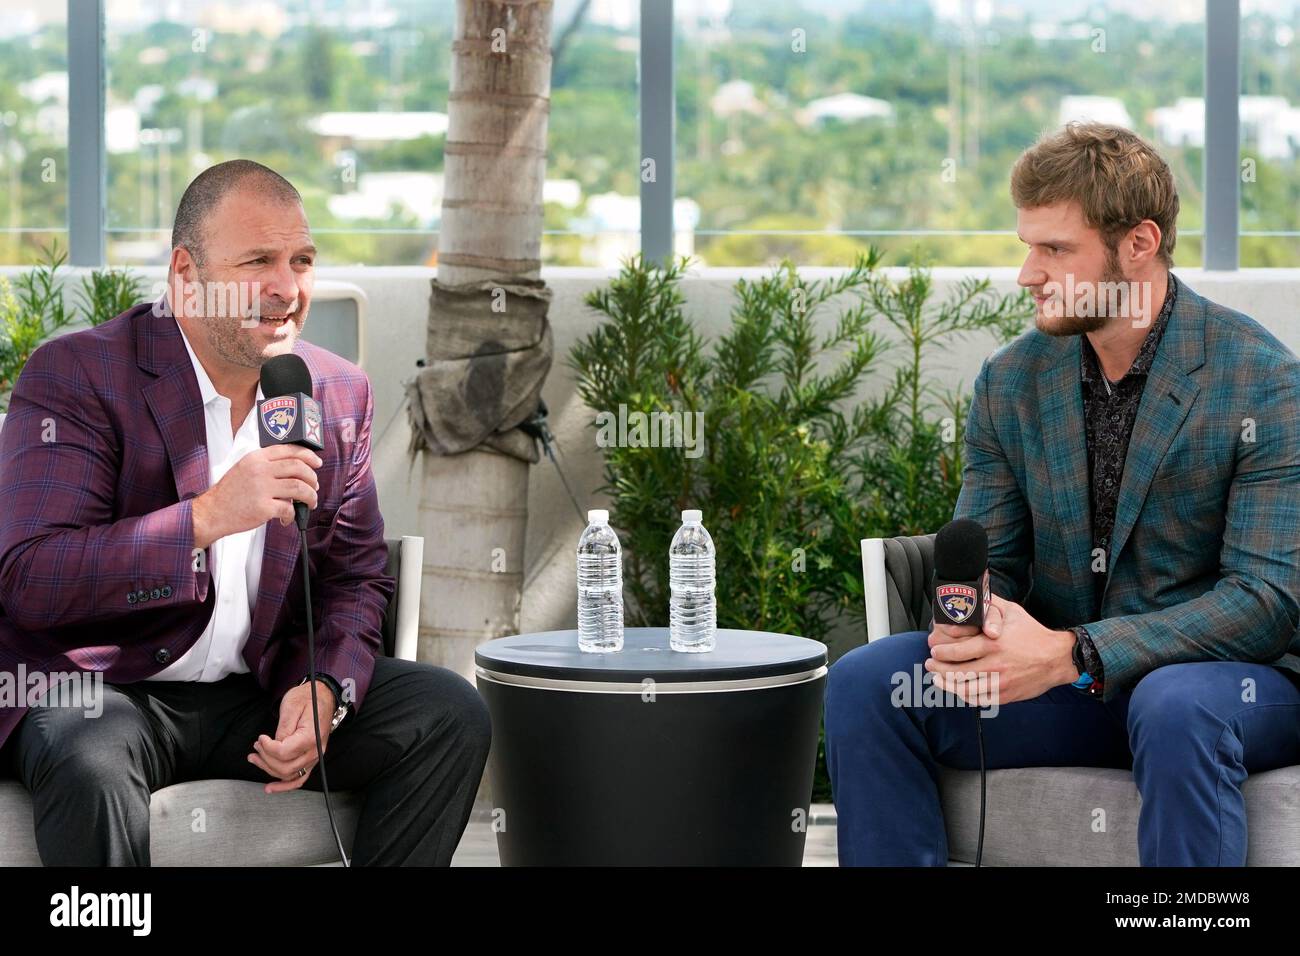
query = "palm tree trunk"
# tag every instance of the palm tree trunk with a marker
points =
(474, 504)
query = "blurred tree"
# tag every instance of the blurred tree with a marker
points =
(318, 67)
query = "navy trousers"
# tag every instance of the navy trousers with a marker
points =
(1189, 732)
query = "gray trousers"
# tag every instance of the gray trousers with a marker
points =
(416, 748)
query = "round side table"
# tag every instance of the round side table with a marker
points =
(651, 757)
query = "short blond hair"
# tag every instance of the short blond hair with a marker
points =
(1116, 177)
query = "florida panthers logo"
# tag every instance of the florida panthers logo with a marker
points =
(278, 416)
(957, 601)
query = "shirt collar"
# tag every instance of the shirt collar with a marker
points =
(1091, 368)
(207, 391)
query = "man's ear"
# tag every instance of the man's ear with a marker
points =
(1145, 238)
(183, 264)
(181, 271)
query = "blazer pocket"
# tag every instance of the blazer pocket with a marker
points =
(1194, 474)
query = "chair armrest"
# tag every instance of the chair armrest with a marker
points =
(410, 577)
(874, 588)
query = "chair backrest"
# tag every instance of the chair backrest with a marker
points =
(909, 569)
(338, 319)
(897, 574)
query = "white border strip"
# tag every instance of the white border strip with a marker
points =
(627, 687)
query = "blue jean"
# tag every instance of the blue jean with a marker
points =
(1189, 732)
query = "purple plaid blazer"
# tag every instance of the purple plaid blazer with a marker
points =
(101, 455)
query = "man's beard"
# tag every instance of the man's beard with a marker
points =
(1070, 324)
(227, 337)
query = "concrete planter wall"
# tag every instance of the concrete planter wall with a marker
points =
(395, 335)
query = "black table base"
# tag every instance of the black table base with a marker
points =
(598, 778)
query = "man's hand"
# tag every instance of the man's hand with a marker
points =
(294, 746)
(262, 485)
(942, 633)
(1027, 658)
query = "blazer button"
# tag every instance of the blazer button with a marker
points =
(155, 594)
(130, 597)
(163, 656)
(142, 595)
(166, 590)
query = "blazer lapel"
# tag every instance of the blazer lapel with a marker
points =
(1065, 460)
(173, 400)
(1166, 401)
(279, 559)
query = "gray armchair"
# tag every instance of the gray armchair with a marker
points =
(242, 826)
(1041, 816)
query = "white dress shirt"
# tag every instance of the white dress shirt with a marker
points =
(236, 559)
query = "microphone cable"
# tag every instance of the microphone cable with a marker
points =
(979, 735)
(300, 519)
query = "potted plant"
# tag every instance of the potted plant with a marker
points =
(796, 466)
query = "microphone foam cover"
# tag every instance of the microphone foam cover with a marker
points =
(285, 375)
(961, 551)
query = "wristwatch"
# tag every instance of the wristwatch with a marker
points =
(1087, 662)
(341, 710)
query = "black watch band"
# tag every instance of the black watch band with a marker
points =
(1087, 662)
(1076, 652)
(333, 685)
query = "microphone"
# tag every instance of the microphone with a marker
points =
(961, 593)
(961, 573)
(288, 415)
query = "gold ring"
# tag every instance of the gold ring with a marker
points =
(302, 771)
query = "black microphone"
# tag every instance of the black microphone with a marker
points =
(961, 573)
(288, 415)
(960, 595)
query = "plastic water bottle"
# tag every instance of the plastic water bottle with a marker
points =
(692, 610)
(600, 586)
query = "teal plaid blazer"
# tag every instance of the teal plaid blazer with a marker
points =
(1205, 554)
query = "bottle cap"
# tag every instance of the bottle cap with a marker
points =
(598, 516)
(692, 515)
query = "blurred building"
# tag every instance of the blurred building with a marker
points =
(1094, 109)
(1269, 124)
(846, 108)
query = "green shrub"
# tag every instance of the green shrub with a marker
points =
(32, 309)
(107, 293)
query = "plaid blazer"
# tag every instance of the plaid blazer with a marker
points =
(102, 453)
(1205, 554)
